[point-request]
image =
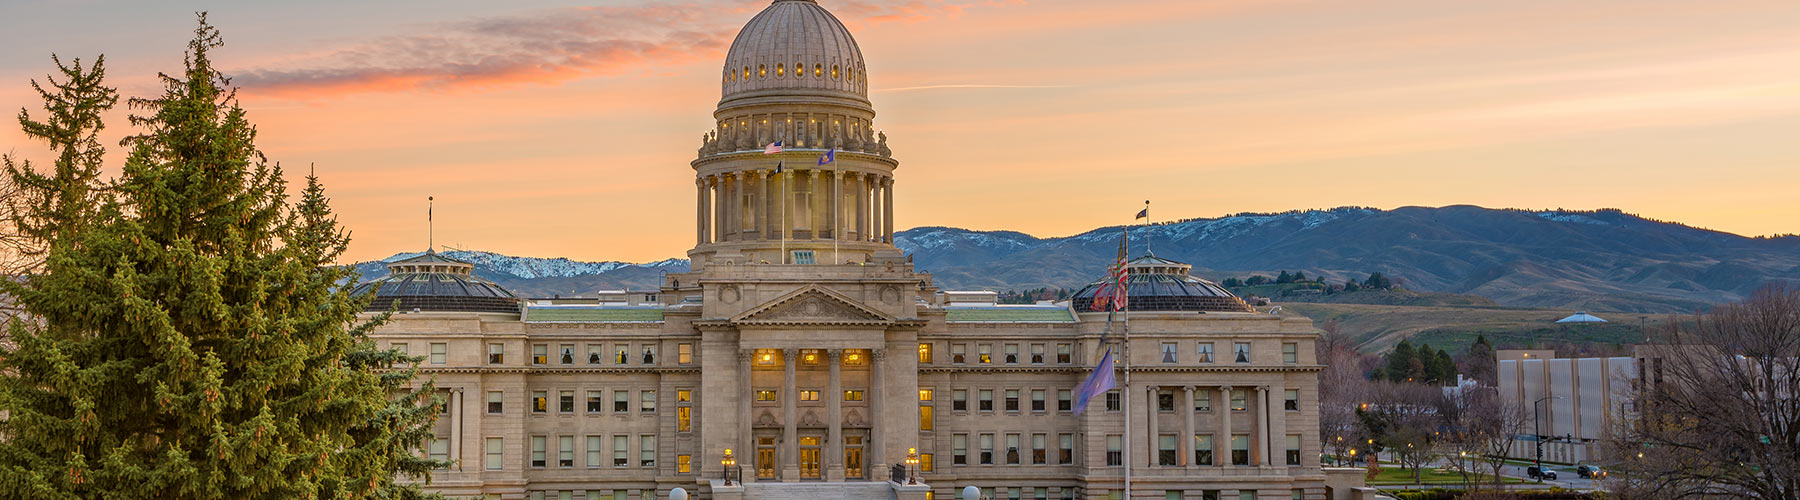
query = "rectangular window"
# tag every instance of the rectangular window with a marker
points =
(984, 400)
(1037, 354)
(496, 354)
(925, 420)
(927, 463)
(1290, 353)
(647, 401)
(1290, 399)
(540, 354)
(1012, 354)
(1168, 352)
(565, 401)
(1012, 449)
(924, 354)
(1064, 400)
(1246, 495)
(1240, 449)
(1012, 400)
(853, 395)
(958, 353)
(1037, 400)
(984, 353)
(496, 448)
(987, 449)
(1203, 449)
(440, 449)
(1065, 449)
(1241, 351)
(1115, 456)
(959, 449)
(400, 346)
(647, 450)
(621, 354)
(1293, 449)
(594, 353)
(1064, 354)
(684, 353)
(684, 464)
(537, 451)
(1165, 450)
(1206, 353)
(809, 395)
(596, 401)
(439, 352)
(565, 451)
(621, 401)
(621, 451)
(1039, 454)
(595, 449)
(540, 402)
(1113, 402)
(649, 354)
(684, 419)
(765, 395)
(684, 396)
(959, 400)
(1239, 399)
(496, 401)
(1203, 400)
(566, 354)
(803, 257)
(1165, 400)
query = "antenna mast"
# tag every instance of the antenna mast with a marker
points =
(430, 227)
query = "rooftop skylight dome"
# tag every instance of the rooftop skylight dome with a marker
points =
(1157, 284)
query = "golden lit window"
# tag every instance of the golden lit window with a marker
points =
(834, 71)
(853, 395)
(924, 353)
(746, 72)
(762, 71)
(818, 70)
(809, 395)
(765, 395)
(925, 395)
(780, 70)
(765, 357)
(809, 357)
(853, 358)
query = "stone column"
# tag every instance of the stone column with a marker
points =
(759, 209)
(831, 202)
(746, 452)
(456, 426)
(783, 208)
(1153, 434)
(699, 211)
(1184, 444)
(887, 209)
(817, 213)
(834, 469)
(790, 432)
(727, 192)
(712, 209)
(1222, 442)
(877, 432)
(1278, 428)
(1261, 438)
(862, 207)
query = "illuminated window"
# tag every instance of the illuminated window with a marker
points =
(780, 70)
(984, 353)
(746, 72)
(925, 395)
(540, 354)
(765, 357)
(925, 420)
(809, 357)
(684, 353)
(684, 419)
(834, 71)
(927, 463)
(762, 71)
(683, 464)
(765, 395)
(924, 353)
(684, 396)
(853, 358)
(809, 395)
(818, 70)
(853, 395)
(1206, 352)
(539, 402)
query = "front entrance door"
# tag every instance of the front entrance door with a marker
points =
(853, 464)
(809, 457)
(765, 458)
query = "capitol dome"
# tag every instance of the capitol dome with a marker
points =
(794, 45)
(431, 282)
(1158, 284)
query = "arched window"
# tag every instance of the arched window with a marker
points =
(762, 71)
(834, 71)
(780, 70)
(818, 70)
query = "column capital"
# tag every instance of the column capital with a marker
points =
(744, 355)
(788, 354)
(878, 353)
(1225, 388)
(834, 354)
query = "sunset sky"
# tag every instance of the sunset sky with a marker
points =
(565, 128)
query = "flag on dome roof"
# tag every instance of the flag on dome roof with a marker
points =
(1114, 291)
(829, 156)
(774, 147)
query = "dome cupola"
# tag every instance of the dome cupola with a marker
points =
(794, 47)
(1157, 284)
(432, 282)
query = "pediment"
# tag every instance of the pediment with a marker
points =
(813, 305)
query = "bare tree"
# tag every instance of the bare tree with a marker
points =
(1479, 431)
(1342, 388)
(1717, 413)
(1400, 420)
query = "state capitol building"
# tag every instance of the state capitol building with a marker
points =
(803, 341)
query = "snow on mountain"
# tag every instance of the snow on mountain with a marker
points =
(538, 267)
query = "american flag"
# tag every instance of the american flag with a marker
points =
(774, 147)
(1114, 291)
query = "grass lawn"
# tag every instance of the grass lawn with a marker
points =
(1394, 475)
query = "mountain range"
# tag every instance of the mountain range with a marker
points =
(1601, 259)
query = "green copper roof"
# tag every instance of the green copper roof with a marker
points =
(1009, 314)
(592, 314)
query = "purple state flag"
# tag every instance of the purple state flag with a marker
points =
(1097, 383)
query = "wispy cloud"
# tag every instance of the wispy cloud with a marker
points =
(972, 86)
(546, 47)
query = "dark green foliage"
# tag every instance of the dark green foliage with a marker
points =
(1284, 278)
(1377, 281)
(1299, 276)
(1351, 286)
(1256, 280)
(63, 200)
(1404, 364)
(1233, 282)
(190, 341)
(1479, 362)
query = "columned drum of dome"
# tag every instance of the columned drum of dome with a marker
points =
(795, 76)
(432, 282)
(1158, 284)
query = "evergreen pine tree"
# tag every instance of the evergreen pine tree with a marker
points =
(1351, 286)
(1402, 362)
(1284, 278)
(65, 198)
(1446, 368)
(1378, 282)
(193, 341)
(1479, 362)
(1299, 276)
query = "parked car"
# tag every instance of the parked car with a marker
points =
(1536, 473)
(1590, 471)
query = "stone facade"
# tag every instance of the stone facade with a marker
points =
(804, 342)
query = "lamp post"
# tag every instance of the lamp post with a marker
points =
(1537, 424)
(912, 464)
(728, 462)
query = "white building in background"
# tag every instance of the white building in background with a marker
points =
(1579, 397)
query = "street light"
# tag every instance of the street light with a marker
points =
(1537, 424)
(728, 462)
(912, 463)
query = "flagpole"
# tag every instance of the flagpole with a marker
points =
(1125, 353)
(784, 219)
(837, 215)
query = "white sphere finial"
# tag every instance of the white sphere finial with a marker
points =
(971, 493)
(678, 494)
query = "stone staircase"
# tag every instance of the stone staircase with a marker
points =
(873, 490)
